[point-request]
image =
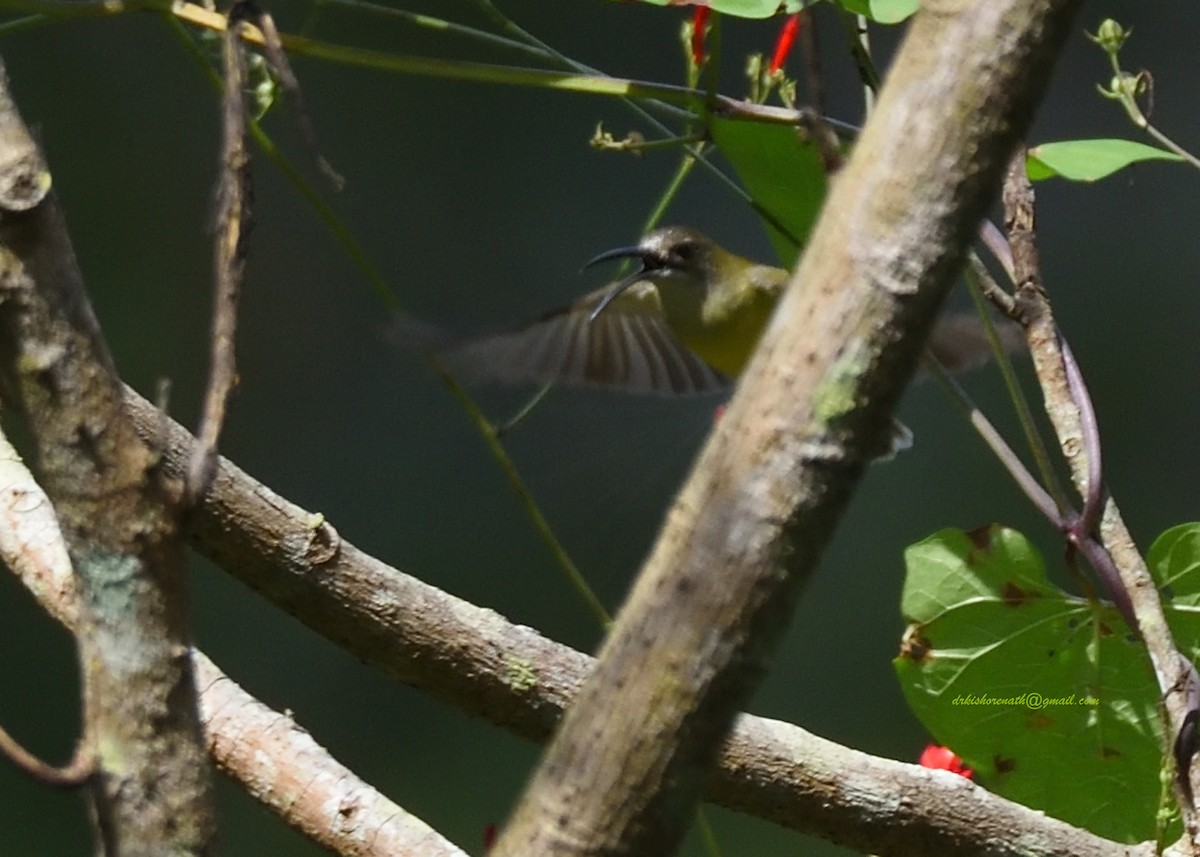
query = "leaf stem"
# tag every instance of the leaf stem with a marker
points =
(976, 274)
(532, 510)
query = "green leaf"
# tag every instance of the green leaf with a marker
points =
(881, 11)
(783, 173)
(742, 8)
(1174, 560)
(1048, 696)
(1089, 160)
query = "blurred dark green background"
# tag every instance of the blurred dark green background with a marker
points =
(479, 203)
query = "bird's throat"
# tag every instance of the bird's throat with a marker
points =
(722, 328)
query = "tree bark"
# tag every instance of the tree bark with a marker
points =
(150, 782)
(627, 765)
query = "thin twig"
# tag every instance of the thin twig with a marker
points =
(858, 40)
(441, 25)
(980, 285)
(999, 247)
(229, 264)
(303, 186)
(811, 50)
(499, 430)
(1114, 556)
(1094, 492)
(72, 775)
(1126, 87)
(282, 69)
(540, 524)
(1032, 489)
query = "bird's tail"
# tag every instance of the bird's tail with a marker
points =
(409, 332)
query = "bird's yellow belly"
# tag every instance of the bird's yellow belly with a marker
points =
(726, 344)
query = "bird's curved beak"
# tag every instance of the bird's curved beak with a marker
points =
(634, 252)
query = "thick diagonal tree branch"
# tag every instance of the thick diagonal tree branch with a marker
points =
(629, 761)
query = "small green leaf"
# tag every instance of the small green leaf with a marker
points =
(1175, 556)
(881, 11)
(1089, 160)
(1174, 560)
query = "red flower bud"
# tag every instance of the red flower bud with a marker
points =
(699, 25)
(783, 45)
(943, 759)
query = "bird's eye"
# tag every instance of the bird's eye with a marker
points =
(685, 251)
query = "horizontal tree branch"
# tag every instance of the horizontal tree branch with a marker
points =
(282, 766)
(474, 659)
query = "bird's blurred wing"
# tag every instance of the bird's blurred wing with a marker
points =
(627, 347)
(960, 343)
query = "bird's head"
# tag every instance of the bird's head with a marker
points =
(669, 255)
(668, 251)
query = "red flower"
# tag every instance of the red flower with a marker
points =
(699, 26)
(783, 45)
(943, 759)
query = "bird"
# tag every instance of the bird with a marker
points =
(685, 322)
